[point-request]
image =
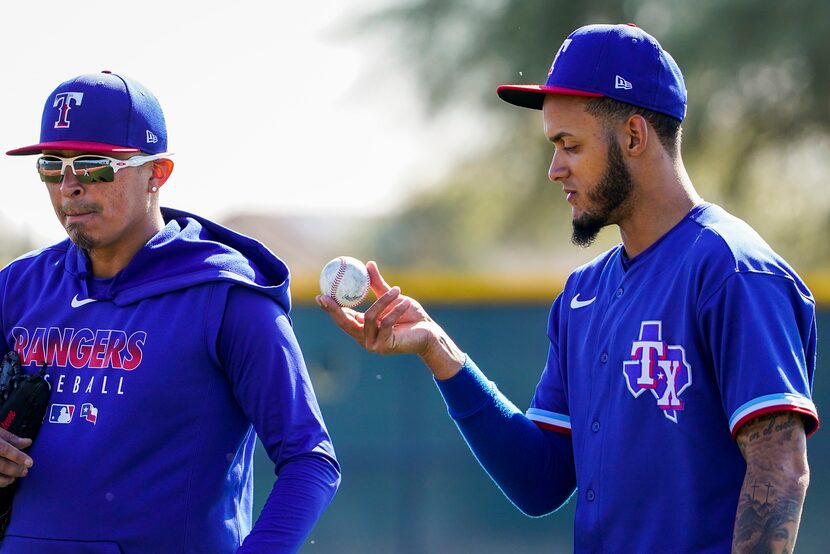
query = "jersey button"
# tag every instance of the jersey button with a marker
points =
(595, 427)
(590, 495)
(619, 292)
(603, 357)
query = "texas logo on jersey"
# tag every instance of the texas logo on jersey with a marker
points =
(658, 367)
(89, 412)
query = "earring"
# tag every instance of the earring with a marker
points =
(154, 189)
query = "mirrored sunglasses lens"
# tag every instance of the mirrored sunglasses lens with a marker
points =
(49, 169)
(89, 170)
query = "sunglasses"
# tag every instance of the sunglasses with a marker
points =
(88, 168)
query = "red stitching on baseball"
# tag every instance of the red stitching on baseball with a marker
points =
(337, 278)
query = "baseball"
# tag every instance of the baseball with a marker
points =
(346, 280)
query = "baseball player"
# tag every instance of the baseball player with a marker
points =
(169, 350)
(676, 395)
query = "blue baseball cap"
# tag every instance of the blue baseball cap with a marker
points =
(622, 62)
(100, 112)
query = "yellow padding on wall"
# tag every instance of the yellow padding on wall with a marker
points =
(448, 287)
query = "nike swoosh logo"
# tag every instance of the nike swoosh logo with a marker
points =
(576, 303)
(78, 303)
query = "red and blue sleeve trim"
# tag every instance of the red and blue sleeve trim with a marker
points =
(776, 403)
(550, 420)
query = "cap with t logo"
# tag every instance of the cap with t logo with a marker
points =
(622, 62)
(100, 113)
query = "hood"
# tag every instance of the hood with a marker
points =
(189, 251)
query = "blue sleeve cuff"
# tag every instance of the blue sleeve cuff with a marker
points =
(468, 391)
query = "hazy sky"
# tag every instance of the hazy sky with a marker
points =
(270, 106)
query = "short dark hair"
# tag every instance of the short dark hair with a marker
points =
(667, 128)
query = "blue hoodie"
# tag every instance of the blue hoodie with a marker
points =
(162, 377)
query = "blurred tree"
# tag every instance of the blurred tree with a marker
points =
(755, 139)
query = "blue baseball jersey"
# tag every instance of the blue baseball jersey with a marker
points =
(654, 364)
(162, 377)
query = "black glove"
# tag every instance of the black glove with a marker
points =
(23, 402)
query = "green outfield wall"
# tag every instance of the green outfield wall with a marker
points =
(411, 486)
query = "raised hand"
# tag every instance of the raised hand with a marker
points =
(396, 324)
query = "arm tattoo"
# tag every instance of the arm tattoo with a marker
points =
(769, 507)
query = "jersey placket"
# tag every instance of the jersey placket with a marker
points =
(595, 421)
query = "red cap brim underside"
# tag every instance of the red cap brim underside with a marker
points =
(533, 96)
(79, 145)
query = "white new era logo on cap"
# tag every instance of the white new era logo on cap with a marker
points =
(623, 84)
(151, 137)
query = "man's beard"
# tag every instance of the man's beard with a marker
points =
(82, 240)
(613, 189)
(76, 230)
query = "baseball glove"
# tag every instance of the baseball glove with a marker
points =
(23, 402)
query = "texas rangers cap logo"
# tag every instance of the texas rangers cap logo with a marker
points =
(658, 367)
(64, 101)
(562, 49)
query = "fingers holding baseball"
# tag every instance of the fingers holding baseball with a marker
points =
(391, 335)
(396, 324)
(376, 314)
(376, 281)
(347, 319)
(390, 326)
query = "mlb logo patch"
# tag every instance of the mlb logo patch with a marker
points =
(61, 413)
